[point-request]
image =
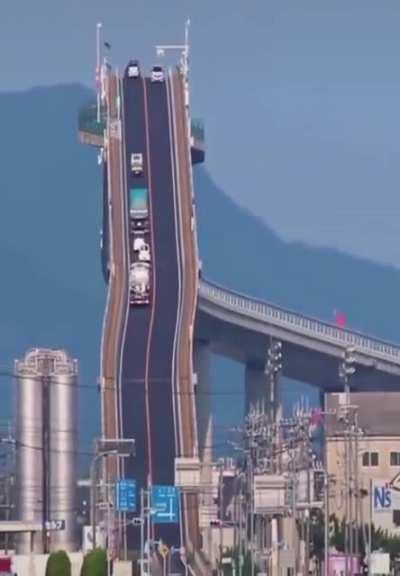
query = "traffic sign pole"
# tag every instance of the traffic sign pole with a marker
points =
(142, 531)
(149, 504)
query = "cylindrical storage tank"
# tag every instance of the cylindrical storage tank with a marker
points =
(63, 447)
(29, 473)
(47, 417)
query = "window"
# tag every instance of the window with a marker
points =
(370, 459)
(395, 458)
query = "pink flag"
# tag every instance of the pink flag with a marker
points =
(340, 319)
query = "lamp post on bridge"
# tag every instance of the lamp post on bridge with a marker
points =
(122, 448)
(184, 49)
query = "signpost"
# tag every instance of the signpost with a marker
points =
(125, 496)
(165, 504)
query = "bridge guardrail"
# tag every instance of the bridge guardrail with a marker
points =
(299, 323)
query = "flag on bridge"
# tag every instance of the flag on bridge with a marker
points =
(340, 318)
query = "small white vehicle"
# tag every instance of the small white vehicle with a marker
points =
(157, 74)
(137, 163)
(133, 69)
(142, 248)
(139, 283)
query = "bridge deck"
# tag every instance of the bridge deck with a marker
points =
(245, 307)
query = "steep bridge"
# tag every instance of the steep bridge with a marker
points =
(155, 356)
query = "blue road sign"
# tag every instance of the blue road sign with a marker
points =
(165, 504)
(125, 496)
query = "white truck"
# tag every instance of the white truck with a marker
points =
(139, 283)
(138, 208)
(142, 249)
(137, 163)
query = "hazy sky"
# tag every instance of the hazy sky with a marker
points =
(300, 97)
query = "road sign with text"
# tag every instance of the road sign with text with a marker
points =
(125, 496)
(165, 504)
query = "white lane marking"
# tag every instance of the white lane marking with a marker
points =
(124, 180)
(178, 321)
(153, 276)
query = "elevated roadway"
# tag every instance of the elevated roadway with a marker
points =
(154, 357)
(116, 268)
(241, 327)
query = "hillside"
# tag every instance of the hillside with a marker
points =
(52, 287)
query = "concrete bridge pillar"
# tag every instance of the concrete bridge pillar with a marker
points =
(203, 399)
(202, 357)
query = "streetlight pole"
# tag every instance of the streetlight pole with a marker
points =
(99, 26)
(141, 531)
(346, 370)
(121, 448)
(326, 522)
(184, 49)
(93, 496)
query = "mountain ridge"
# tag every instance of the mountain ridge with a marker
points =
(49, 231)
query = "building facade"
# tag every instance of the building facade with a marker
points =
(363, 458)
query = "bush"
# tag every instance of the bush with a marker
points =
(58, 564)
(95, 563)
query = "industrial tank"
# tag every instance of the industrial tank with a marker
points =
(46, 435)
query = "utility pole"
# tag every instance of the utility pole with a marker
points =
(346, 370)
(326, 522)
(221, 513)
(99, 26)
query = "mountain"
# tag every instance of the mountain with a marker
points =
(52, 291)
(240, 252)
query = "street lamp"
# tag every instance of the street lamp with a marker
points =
(122, 448)
(184, 49)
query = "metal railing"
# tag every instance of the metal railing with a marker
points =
(304, 325)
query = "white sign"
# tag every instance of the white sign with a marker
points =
(380, 563)
(385, 498)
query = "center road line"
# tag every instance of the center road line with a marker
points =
(153, 287)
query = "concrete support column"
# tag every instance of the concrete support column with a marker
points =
(205, 438)
(203, 399)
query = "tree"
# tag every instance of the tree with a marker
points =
(58, 564)
(95, 563)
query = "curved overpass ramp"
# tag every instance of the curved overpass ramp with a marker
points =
(241, 327)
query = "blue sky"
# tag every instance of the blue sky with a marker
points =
(300, 98)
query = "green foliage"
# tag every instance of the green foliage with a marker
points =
(381, 539)
(95, 563)
(58, 564)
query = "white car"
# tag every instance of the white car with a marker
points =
(137, 163)
(133, 69)
(157, 74)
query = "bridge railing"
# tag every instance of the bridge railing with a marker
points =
(305, 325)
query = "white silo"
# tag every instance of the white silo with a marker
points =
(46, 442)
